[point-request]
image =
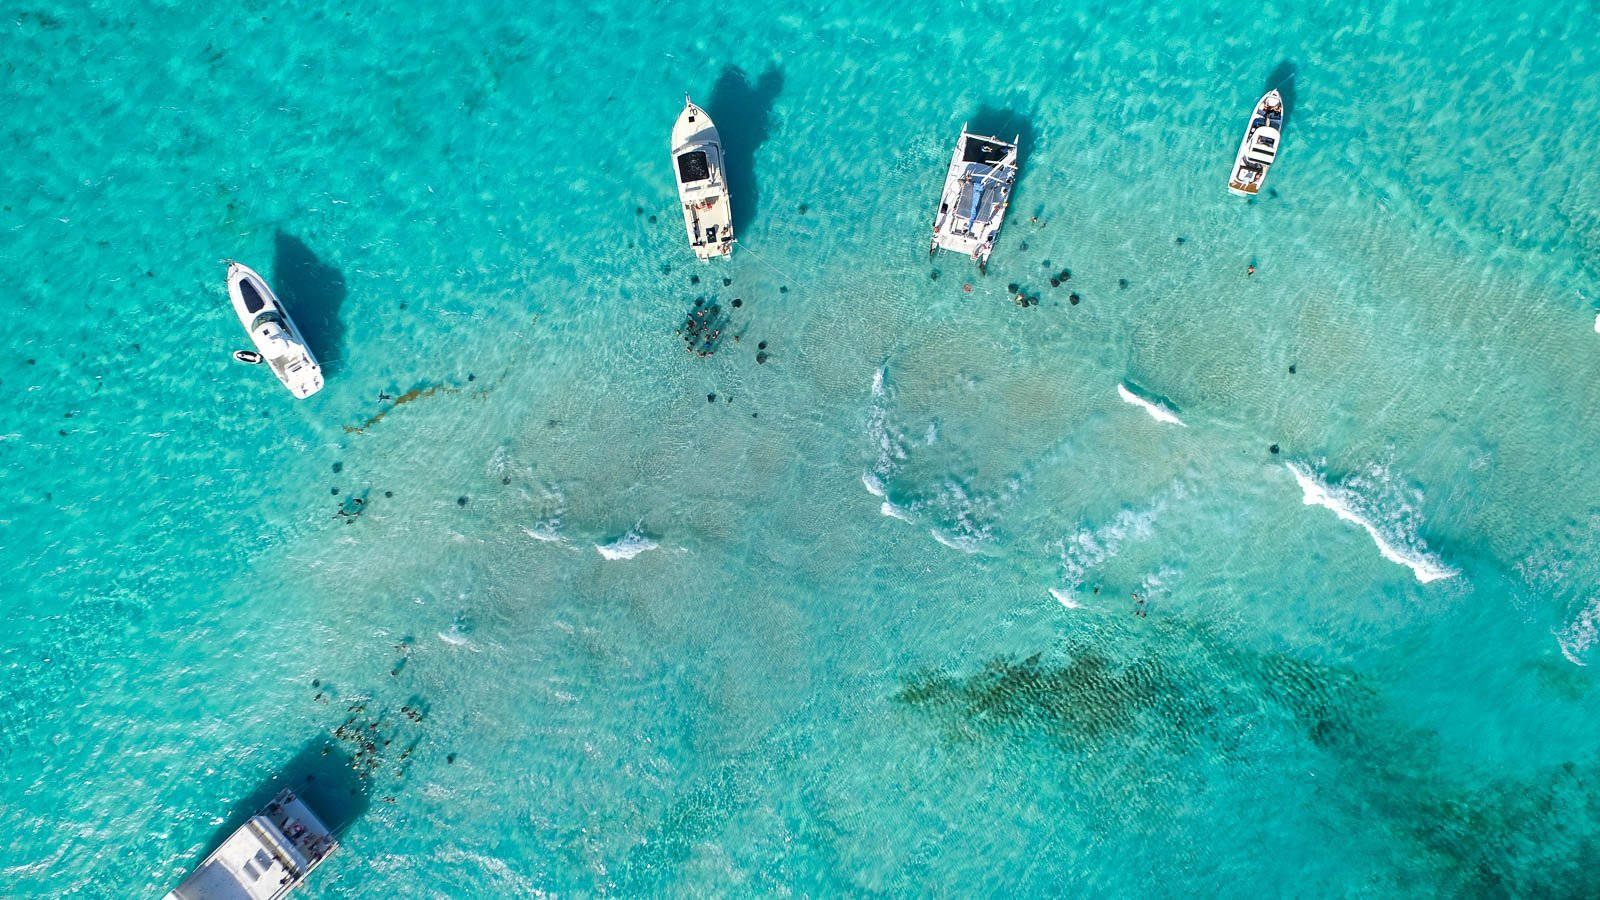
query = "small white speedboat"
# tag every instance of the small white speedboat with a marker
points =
(1259, 148)
(977, 192)
(702, 182)
(268, 856)
(272, 331)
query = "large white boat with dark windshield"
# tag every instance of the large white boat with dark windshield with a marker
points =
(977, 191)
(277, 339)
(702, 182)
(266, 858)
(1259, 148)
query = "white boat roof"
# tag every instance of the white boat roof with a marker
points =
(264, 859)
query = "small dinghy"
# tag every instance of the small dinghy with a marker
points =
(977, 191)
(1259, 148)
(273, 332)
(702, 183)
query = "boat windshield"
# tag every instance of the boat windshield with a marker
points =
(693, 166)
(267, 318)
(253, 301)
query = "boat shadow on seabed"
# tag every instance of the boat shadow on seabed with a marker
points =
(743, 113)
(323, 775)
(312, 291)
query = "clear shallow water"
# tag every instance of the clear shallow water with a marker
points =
(792, 689)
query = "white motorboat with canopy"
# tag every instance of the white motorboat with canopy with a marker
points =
(1259, 148)
(272, 331)
(702, 183)
(977, 192)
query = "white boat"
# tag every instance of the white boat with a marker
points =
(272, 331)
(977, 191)
(702, 182)
(1259, 148)
(266, 858)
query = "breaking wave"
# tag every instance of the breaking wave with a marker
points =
(626, 547)
(1581, 633)
(1089, 548)
(895, 512)
(551, 506)
(962, 542)
(1395, 533)
(1157, 411)
(545, 533)
(1066, 598)
(888, 443)
(957, 516)
(1562, 570)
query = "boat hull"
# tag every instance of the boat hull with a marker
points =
(1259, 148)
(273, 332)
(698, 169)
(975, 197)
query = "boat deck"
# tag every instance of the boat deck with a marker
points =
(265, 858)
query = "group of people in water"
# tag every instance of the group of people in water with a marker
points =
(702, 330)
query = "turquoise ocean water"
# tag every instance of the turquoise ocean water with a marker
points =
(864, 622)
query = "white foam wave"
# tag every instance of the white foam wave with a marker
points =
(545, 532)
(966, 520)
(890, 446)
(1581, 633)
(626, 547)
(1155, 583)
(889, 443)
(1597, 324)
(958, 519)
(1343, 502)
(454, 638)
(1066, 598)
(500, 464)
(1088, 548)
(1157, 411)
(962, 542)
(895, 512)
(551, 506)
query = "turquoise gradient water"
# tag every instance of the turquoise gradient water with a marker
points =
(796, 684)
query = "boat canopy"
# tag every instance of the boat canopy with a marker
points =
(1263, 145)
(693, 166)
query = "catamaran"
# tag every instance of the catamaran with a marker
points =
(266, 858)
(272, 331)
(977, 191)
(702, 183)
(1259, 148)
